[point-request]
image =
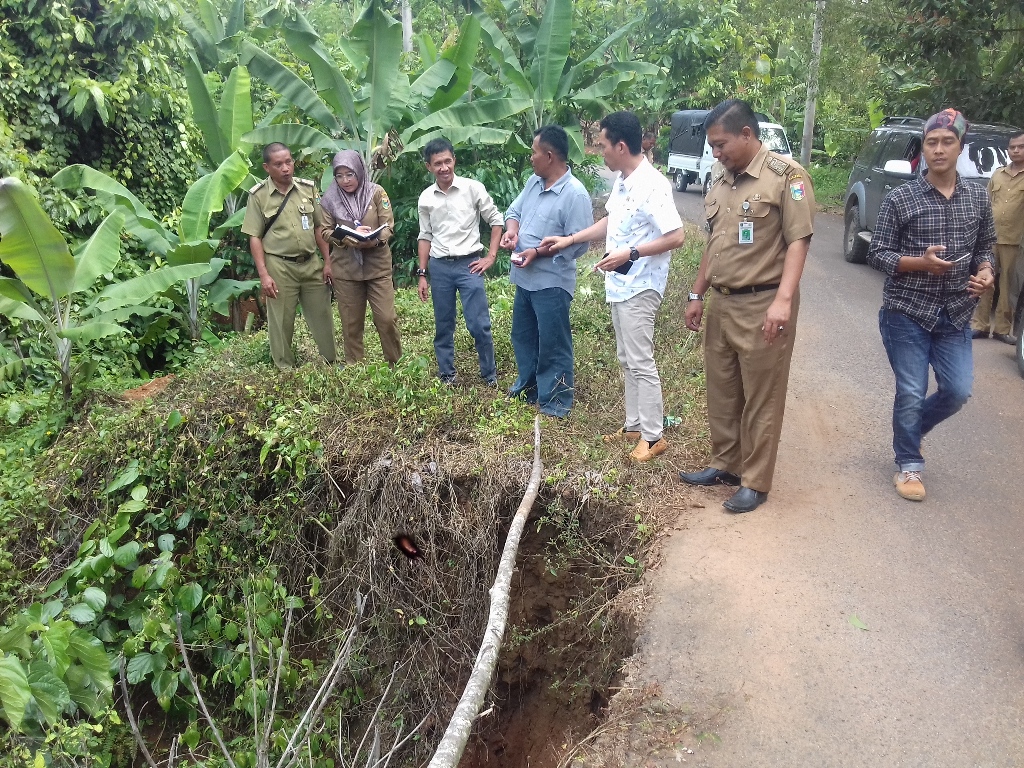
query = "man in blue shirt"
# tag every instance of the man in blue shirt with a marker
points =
(553, 202)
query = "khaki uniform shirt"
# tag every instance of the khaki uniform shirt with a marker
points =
(773, 201)
(376, 261)
(1007, 193)
(293, 232)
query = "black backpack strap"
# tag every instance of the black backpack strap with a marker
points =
(273, 219)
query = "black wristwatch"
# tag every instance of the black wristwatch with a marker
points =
(421, 273)
(634, 254)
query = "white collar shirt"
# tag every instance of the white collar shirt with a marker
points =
(450, 220)
(640, 209)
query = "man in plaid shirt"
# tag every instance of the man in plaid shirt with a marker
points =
(933, 238)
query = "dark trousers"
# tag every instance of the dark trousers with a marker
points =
(542, 342)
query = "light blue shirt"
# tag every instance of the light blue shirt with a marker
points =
(640, 209)
(562, 210)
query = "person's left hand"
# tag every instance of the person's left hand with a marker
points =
(328, 277)
(482, 264)
(981, 282)
(613, 259)
(776, 320)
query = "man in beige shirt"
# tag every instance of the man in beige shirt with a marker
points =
(1006, 189)
(450, 211)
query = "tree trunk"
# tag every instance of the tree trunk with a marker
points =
(812, 83)
(406, 26)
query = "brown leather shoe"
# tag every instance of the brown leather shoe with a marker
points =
(644, 452)
(622, 436)
(909, 485)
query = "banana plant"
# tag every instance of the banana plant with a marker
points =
(193, 245)
(52, 287)
(551, 80)
(387, 104)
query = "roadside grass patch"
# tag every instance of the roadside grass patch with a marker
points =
(830, 183)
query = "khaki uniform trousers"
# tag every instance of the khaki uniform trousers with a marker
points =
(1000, 321)
(747, 381)
(299, 284)
(353, 296)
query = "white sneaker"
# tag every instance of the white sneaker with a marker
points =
(909, 485)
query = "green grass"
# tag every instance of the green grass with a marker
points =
(829, 185)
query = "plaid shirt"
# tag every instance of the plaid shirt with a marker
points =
(915, 216)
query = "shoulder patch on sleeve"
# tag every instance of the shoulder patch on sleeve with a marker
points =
(719, 173)
(257, 185)
(307, 182)
(777, 165)
(385, 201)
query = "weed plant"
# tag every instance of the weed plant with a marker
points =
(242, 486)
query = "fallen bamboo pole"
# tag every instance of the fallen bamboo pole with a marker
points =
(453, 743)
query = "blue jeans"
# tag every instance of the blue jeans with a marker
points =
(542, 342)
(448, 276)
(911, 349)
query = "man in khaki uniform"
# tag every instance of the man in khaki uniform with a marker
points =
(283, 221)
(1006, 189)
(760, 212)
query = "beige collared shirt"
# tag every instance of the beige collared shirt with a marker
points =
(450, 220)
(1007, 193)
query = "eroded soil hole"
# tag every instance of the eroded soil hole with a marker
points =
(570, 628)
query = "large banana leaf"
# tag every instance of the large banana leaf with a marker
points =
(211, 19)
(595, 57)
(468, 114)
(91, 331)
(140, 289)
(100, 253)
(192, 253)
(332, 86)
(289, 85)
(31, 245)
(236, 19)
(604, 87)
(206, 197)
(380, 35)
(204, 111)
(233, 221)
(503, 56)
(551, 50)
(462, 55)
(224, 290)
(19, 309)
(205, 46)
(294, 135)
(138, 220)
(442, 74)
(461, 135)
(235, 117)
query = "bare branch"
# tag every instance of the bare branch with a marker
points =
(453, 743)
(199, 697)
(131, 720)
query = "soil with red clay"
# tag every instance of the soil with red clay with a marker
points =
(838, 624)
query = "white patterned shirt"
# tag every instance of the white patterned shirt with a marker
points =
(640, 209)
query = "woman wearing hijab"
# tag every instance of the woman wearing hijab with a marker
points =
(361, 271)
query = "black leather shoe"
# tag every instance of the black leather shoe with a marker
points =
(979, 334)
(745, 500)
(709, 476)
(1005, 338)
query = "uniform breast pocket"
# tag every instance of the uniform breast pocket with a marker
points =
(758, 210)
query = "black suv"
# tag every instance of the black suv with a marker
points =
(892, 156)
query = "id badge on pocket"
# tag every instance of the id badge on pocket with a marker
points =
(305, 221)
(746, 233)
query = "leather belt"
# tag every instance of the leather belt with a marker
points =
(453, 257)
(294, 259)
(748, 289)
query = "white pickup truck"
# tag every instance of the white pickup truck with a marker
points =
(690, 159)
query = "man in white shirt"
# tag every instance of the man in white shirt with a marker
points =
(450, 211)
(640, 231)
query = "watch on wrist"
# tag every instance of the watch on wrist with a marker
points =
(634, 254)
(421, 273)
(691, 296)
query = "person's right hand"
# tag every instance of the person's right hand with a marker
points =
(508, 241)
(424, 289)
(556, 243)
(933, 262)
(694, 313)
(268, 286)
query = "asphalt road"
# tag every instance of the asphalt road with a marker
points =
(752, 630)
